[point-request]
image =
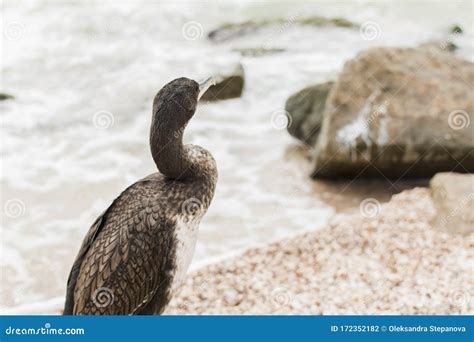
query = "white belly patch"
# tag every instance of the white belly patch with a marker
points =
(186, 235)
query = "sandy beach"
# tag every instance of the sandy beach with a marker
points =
(389, 262)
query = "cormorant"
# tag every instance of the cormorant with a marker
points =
(138, 250)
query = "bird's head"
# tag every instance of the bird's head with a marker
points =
(176, 102)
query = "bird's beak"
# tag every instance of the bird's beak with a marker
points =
(204, 86)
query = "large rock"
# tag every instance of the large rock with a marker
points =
(306, 111)
(398, 112)
(453, 197)
(228, 85)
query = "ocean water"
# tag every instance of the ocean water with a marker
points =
(76, 134)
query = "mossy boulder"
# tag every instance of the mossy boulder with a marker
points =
(5, 96)
(229, 31)
(306, 109)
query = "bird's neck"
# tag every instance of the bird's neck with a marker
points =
(170, 155)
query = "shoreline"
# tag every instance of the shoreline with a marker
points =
(355, 265)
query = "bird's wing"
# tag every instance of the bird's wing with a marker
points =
(127, 259)
(71, 281)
